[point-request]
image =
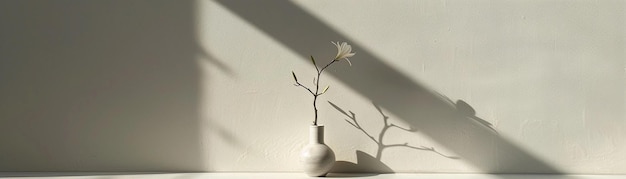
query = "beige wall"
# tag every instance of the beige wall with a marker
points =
(483, 86)
(98, 86)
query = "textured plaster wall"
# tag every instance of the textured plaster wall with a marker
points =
(99, 86)
(472, 86)
(547, 75)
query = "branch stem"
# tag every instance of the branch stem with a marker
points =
(317, 88)
(298, 84)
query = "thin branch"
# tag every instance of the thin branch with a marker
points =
(406, 145)
(338, 108)
(365, 132)
(298, 84)
(401, 128)
(357, 126)
(327, 65)
(386, 127)
(368, 135)
(380, 110)
(351, 123)
(385, 117)
(317, 86)
(315, 64)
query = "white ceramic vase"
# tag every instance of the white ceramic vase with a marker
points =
(316, 157)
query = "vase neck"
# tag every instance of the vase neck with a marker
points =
(316, 134)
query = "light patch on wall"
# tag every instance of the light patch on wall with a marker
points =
(527, 68)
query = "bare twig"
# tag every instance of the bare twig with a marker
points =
(298, 84)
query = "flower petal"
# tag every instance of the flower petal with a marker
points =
(344, 50)
(338, 49)
(349, 55)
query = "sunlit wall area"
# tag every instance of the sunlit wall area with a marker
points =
(482, 86)
(435, 86)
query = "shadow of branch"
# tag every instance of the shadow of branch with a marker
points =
(381, 146)
(412, 102)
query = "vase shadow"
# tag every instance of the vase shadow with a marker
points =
(365, 164)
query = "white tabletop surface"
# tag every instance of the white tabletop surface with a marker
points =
(28, 175)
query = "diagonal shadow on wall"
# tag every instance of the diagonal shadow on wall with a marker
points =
(423, 109)
(99, 86)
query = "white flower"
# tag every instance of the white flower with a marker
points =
(343, 51)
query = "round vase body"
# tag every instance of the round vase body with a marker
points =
(316, 157)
